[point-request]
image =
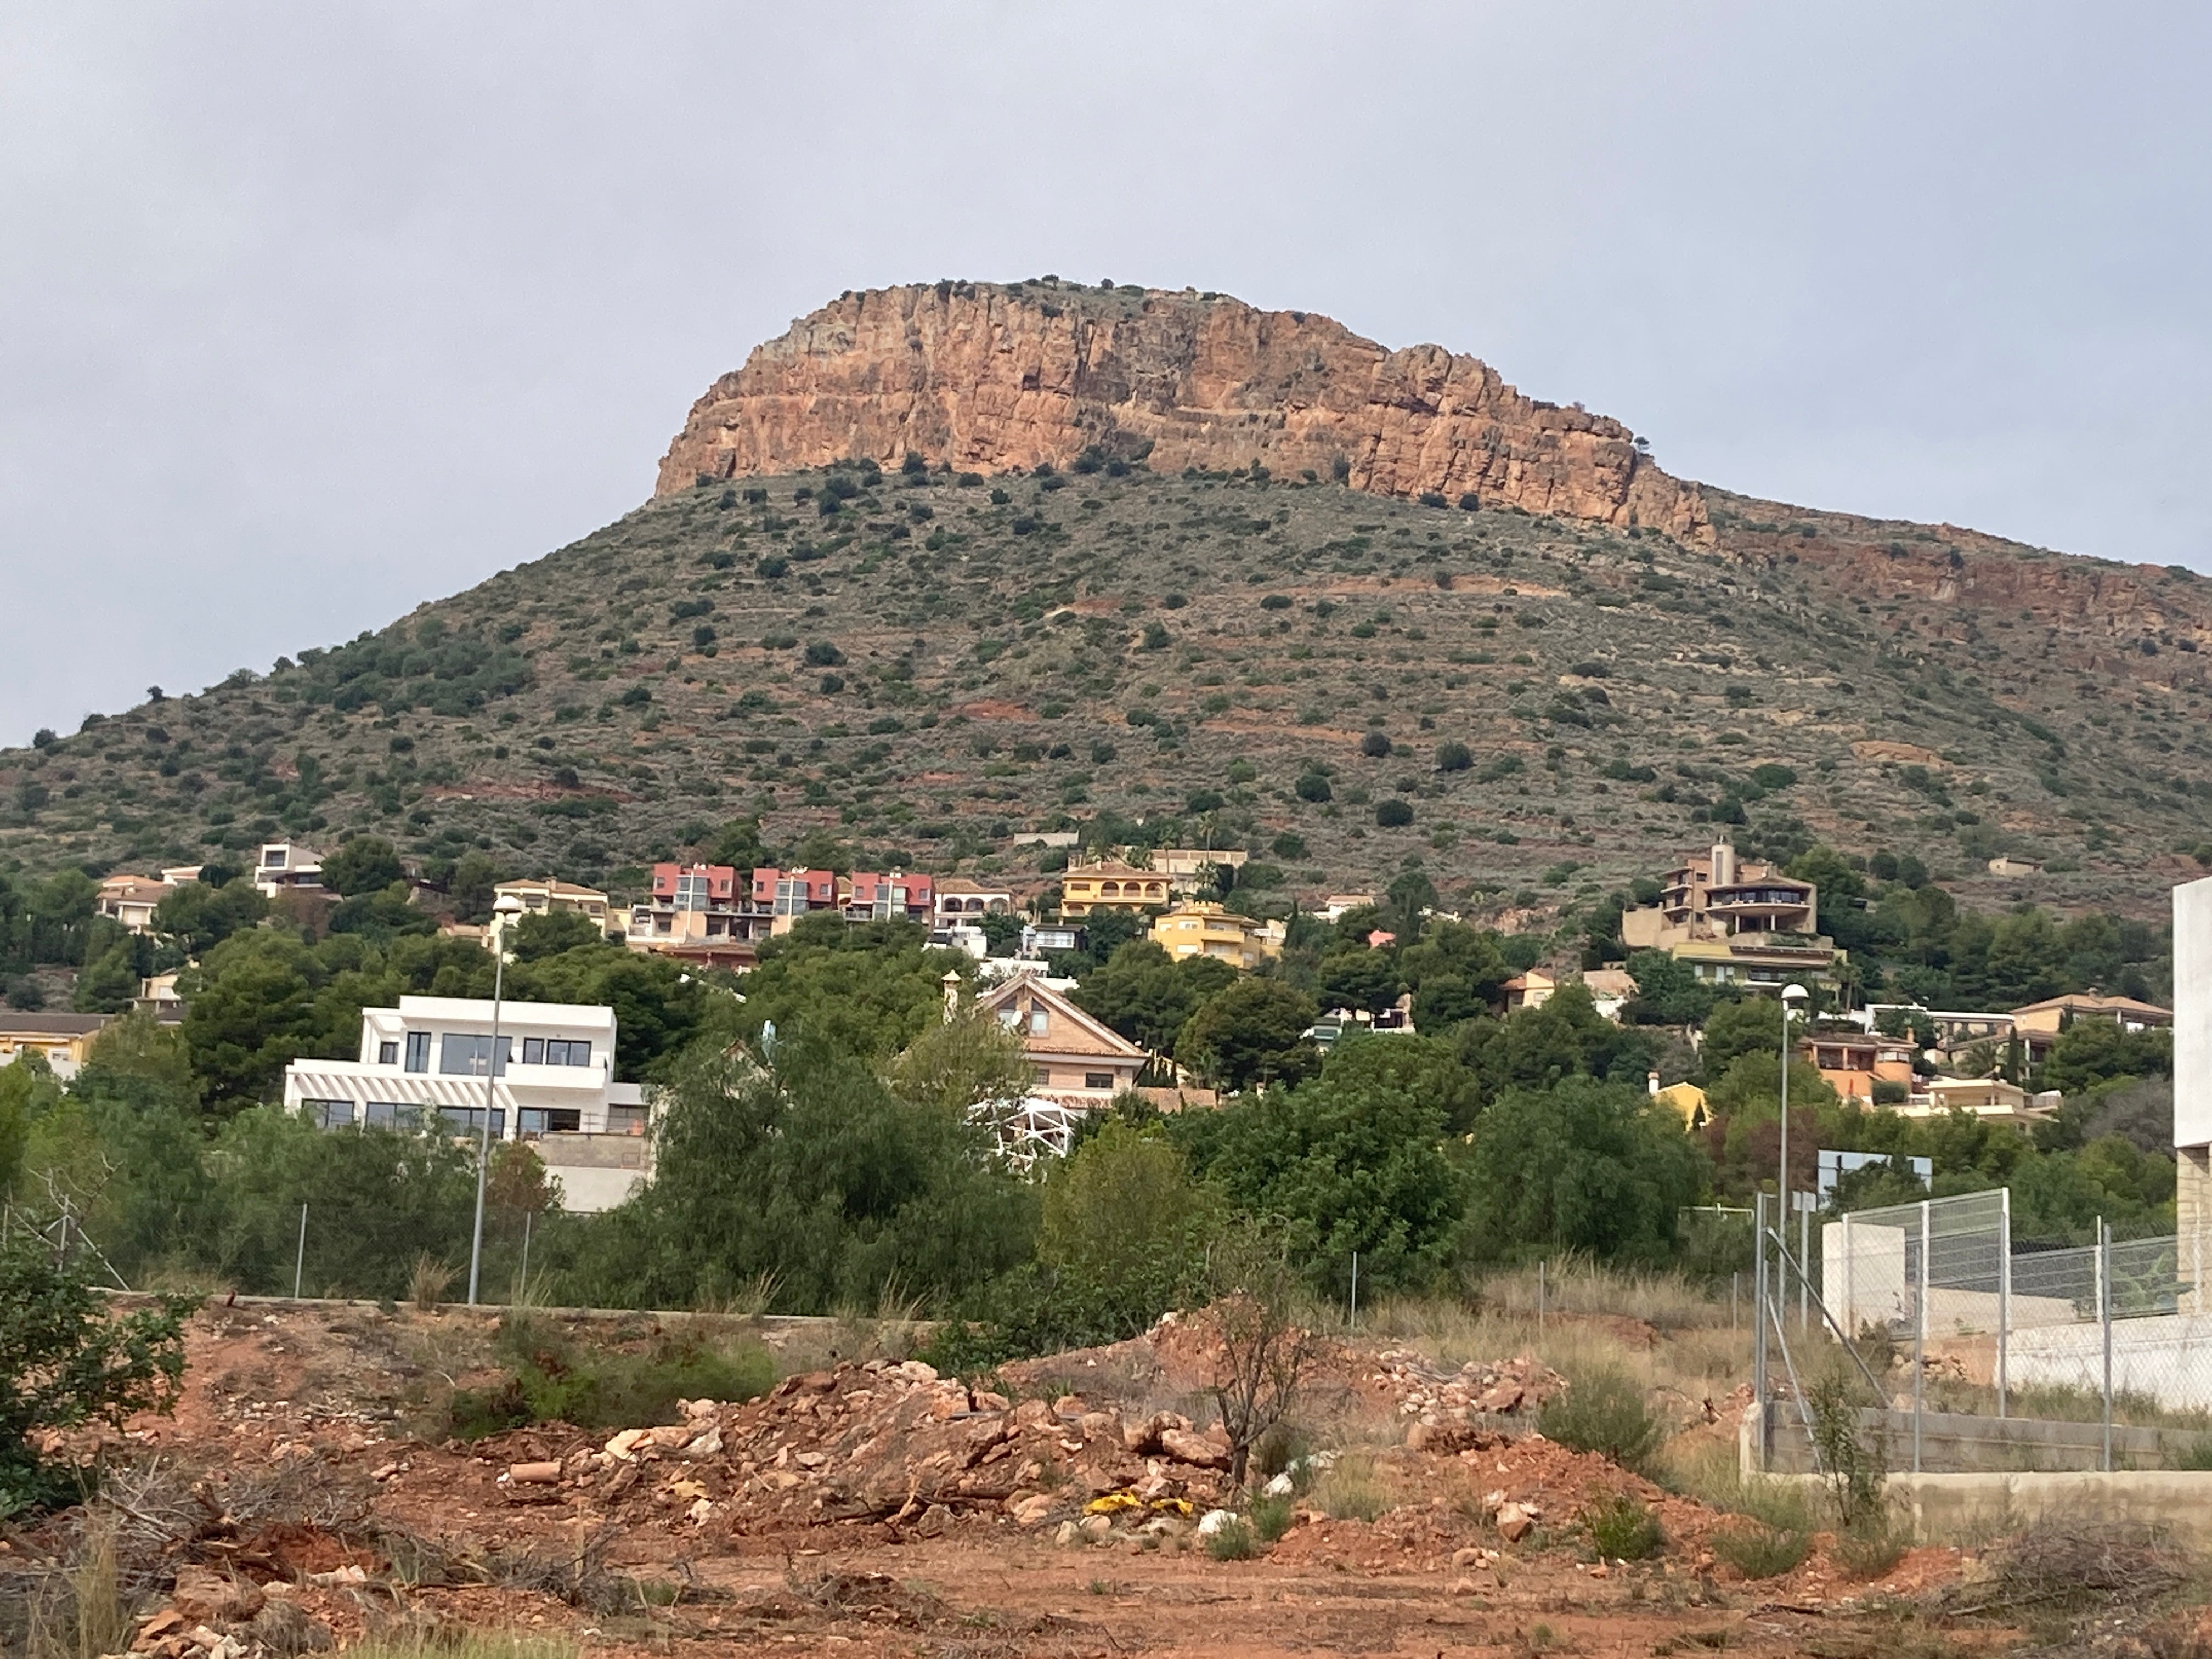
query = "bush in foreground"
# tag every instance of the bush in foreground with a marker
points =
(1758, 1551)
(555, 1380)
(65, 1359)
(1623, 1529)
(1603, 1411)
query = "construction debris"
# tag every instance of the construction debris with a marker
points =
(1476, 1391)
(892, 1443)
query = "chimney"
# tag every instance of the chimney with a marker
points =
(1652, 1083)
(952, 984)
(1723, 865)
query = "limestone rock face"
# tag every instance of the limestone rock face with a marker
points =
(988, 378)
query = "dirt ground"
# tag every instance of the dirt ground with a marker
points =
(299, 1458)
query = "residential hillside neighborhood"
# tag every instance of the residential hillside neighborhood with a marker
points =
(1933, 1049)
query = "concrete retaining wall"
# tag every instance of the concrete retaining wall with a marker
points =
(1962, 1443)
(1969, 1508)
(1972, 1508)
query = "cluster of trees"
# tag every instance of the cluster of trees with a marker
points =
(53, 924)
(267, 996)
(153, 1185)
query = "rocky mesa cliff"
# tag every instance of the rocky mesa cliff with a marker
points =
(988, 378)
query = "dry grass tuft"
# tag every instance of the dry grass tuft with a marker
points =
(1353, 1489)
(428, 1283)
(416, 1644)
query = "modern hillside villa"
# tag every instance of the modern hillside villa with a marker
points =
(553, 1086)
(1733, 921)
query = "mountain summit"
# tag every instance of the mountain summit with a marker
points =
(988, 378)
(945, 565)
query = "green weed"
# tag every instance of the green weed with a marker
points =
(1758, 1551)
(1623, 1529)
(1603, 1411)
(1233, 1541)
(1271, 1517)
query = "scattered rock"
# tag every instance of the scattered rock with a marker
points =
(1187, 1447)
(209, 1597)
(541, 1474)
(1514, 1523)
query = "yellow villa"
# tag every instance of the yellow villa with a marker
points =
(1199, 928)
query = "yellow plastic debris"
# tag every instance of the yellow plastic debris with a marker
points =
(1171, 1505)
(1114, 1501)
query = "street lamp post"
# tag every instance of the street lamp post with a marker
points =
(503, 915)
(1791, 995)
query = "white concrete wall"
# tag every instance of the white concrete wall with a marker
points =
(2192, 1013)
(588, 1191)
(2167, 1356)
(1869, 1287)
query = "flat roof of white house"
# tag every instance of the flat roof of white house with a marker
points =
(478, 1010)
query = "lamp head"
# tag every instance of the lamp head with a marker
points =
(1794, 994)
(507, 905)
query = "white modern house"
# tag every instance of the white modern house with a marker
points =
(426, 1061)
(283, 864)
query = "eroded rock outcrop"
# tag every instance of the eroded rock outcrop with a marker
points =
(988, 378)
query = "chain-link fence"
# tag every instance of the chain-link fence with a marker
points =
(1973, 1352)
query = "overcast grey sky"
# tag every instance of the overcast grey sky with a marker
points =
(309, 313)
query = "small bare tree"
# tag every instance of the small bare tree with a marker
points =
(1260, 1354)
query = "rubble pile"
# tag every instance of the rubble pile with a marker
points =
(1477, 1390)
(882, 1442)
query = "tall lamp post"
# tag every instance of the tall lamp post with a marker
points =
(503, 915)
(1792, 996)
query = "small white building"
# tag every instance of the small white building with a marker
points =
(425, 1062)
(285, 864)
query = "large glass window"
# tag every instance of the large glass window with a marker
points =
(418, 1051)
(330, 1113)
(556, 1051)
(387, 1115)
(462, 1053)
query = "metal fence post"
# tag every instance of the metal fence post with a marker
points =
(1758, 1318)
(300, 1262)
(1804, 1270)
(2004, 1295)
(1920, 1338)
(522, 1288)
(2105, 1318)
(1735, 1283)
(1539, 1295)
